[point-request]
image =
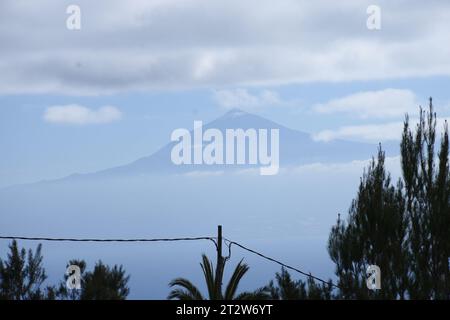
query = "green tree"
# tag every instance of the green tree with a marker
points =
(285, 288)
(22, 274)
(71, 294)
(427, 193)
(402, 228)
(186, 290)
(103, 283)
(374, 234)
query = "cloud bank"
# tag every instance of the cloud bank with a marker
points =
(154, 44)
(79, 115)
(388, 103)
(370, 132)
(390, 131)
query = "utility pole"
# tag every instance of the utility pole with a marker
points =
(219, 266)
(219, 242)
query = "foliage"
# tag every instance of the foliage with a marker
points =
(402, 228)
(185, 290)
(22, 274)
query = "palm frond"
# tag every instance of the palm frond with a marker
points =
(259, 294)
(190, 291)
(180, 294)
(208, 272)
(232, 286)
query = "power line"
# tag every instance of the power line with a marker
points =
(230, 243)
(108, 240)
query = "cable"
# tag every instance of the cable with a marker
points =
(278, 262)
(213, 239)
(109, 240)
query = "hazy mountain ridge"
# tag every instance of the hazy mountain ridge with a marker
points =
(296, 148)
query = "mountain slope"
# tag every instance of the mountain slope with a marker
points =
(296, 148)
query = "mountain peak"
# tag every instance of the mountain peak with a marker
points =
(235, 113)
(237, 118)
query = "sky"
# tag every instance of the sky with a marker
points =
(113, 91)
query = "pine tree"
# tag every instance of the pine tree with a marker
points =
(63, 292)
(427, 188)
(103, 283)
(374, 234)
(286, 288)
(22, 274)
(402, 228)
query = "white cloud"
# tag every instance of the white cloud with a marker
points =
(154, 44)
(241, 98)
(370, 132)
(391, 131)
(387, 103)
(350, 167)
(80, 115)
(355, 166)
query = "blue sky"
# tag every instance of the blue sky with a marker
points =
(78, 101)
(160, 65)
(35, 149)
